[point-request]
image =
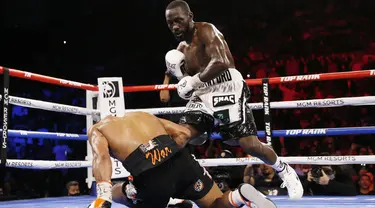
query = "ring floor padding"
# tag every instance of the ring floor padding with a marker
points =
(281, 202)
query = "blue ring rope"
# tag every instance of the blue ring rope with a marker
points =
(275, 133)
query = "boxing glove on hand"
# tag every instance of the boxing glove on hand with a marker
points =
(175, 62)
(104, 196)
(187, 85)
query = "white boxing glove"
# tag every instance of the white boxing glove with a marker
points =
(175, 62)
(187, 85)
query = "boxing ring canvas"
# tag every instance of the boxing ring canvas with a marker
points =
(281, 202)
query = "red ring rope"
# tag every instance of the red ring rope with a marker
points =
(146, 88)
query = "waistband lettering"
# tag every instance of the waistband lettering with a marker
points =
(224, 77)
(157, 155)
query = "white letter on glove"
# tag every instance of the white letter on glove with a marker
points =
(187, 85)
(175, 62)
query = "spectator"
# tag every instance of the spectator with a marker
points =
(61, 151)
(268, 182)
(72, 188)
(226, 176)
(366, 184)
(324, 180)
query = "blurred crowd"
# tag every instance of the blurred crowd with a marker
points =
(323, 40)
(28, 183)
(307, 38)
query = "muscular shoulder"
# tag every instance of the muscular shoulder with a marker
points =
(206, 30)
(181, 46)
(100, 123)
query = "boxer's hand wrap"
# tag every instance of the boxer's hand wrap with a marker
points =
(187, 85)
(104, 196)
(175, 62)
(104, 191)
(100, 203)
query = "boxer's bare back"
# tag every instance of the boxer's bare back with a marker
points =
(125, 134)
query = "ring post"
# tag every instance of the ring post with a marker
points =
(112, 102)
(5, 114)
(89, 122)
(266, 110)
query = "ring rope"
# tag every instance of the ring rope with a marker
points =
(46, 135)
(145, 88)
(314, 103)
(276, 80)
(317, 160)
(277, 133)
(48, 79)
(49, 106)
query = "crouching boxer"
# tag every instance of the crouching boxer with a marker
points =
(151, 149)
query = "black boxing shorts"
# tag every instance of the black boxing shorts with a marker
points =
(180, 177)
(221, 105)
(151, 155)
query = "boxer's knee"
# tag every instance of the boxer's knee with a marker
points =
(197, 122)
(239, 130)
(251, 144)
(254, 147)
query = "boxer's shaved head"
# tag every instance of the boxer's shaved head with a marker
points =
(179, 4)
(179, 18)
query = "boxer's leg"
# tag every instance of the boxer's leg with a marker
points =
(245, 194)
(242, 127)
(198, 119)
(206, 194)
(248, 140)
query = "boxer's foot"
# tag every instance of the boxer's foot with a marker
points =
(247, 195)
(291, 182)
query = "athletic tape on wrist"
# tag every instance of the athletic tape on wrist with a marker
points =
(104, 191)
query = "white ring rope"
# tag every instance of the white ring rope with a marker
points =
(56, 107)
(316, 103)
(316, 160)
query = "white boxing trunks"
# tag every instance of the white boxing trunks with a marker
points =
(222, 103)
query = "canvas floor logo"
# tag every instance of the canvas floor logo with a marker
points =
(110, 89)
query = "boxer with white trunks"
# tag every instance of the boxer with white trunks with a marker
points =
(216, 91)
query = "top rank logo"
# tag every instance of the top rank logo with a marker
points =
(223, 100)
(110, 89)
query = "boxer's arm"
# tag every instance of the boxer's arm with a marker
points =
(101, 163)
(179, 133)
(216, 49)
(167, 78)
(164, 94)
